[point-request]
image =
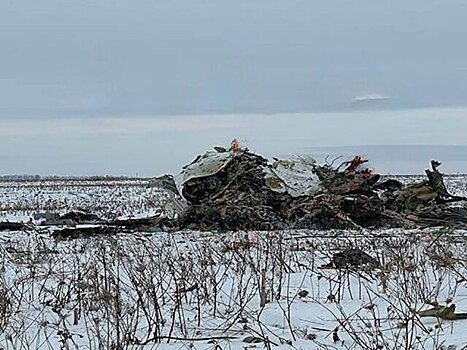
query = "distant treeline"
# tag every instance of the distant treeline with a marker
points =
(20, 177)
(57, 178)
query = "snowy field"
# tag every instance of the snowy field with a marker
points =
(107, 198)
(192, 290)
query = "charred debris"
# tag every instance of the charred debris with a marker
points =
(237, 190)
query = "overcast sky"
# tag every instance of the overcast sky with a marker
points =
(141, 86)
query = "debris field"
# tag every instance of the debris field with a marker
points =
(237, 190)
(245, 192)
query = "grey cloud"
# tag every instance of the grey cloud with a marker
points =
(120, 86)
(64, 57)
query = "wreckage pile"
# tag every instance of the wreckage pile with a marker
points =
(237, 190)
(234, 189)
(234, 198)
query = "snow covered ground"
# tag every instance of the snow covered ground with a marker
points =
(192, 290)
(106, 198)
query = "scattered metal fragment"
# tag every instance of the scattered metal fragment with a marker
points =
(351, 257)
(443, 312)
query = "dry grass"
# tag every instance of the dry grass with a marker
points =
(135, 292)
